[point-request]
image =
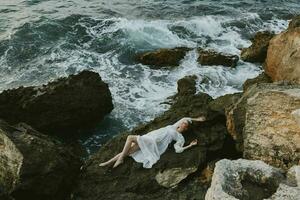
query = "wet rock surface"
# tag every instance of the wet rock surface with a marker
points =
(163, 57)
(35, 166)
(210, 57)
(172, 57)
(257, 52)
(78, 101)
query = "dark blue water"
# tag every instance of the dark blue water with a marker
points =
(41, 40)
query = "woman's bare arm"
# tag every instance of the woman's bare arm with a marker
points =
(199, 119)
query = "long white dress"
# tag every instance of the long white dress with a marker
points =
(156, 142)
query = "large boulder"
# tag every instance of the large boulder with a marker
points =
(252, 180)
(257, 52)
(78, 101)
(172, 177)
(210, 57)
(35, 166)
(264, 122)
(283, 57)
(272, 131)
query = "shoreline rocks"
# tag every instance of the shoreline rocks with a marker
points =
(173, 173)
(210, 57)
(35, 166)
(163, 57)
(172, 57)
(257, 52)
(78, 101)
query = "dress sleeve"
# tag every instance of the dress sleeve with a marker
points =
(183, 119)
(178, 146)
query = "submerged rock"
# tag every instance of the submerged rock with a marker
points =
(163, 57)
(252, 180)
(257, 52)
(78, 101)
(165, 179)
(34, 166)
(283, 58)
(210, 57)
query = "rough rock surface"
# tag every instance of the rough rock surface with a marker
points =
(34, 166)
(209, 57)
(221, 103)
(294, 23)
(172, 57)
(163, 57)
(252, 180)
(77, 101)
(283, 58)
(271, 132)
(131, 181)
(262, 78)
(257, 52)
(271, 114)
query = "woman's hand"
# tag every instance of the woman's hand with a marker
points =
(199, 119)
(194, 142)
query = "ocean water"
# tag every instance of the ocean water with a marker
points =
(41, 40)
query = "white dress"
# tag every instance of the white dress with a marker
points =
(156, 142)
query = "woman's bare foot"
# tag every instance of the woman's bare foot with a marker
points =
(104, 164)
(118, 162)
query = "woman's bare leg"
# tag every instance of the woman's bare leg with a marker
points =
(130, 139)
(134, 148)
(115, 158)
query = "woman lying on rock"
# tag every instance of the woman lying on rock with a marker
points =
(147, 148)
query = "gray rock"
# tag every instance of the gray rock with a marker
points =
(245, 179)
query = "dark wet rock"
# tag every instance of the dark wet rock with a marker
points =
(163, 57)
(172, 177)
(262, 78)
(294, 23)
(210, 57)
(34, 166)
(255, 180)
(78, 101)
(257, 52)
(186, 85)
(172, 57)
(221, 103)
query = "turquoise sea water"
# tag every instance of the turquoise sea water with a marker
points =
(41, 40)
